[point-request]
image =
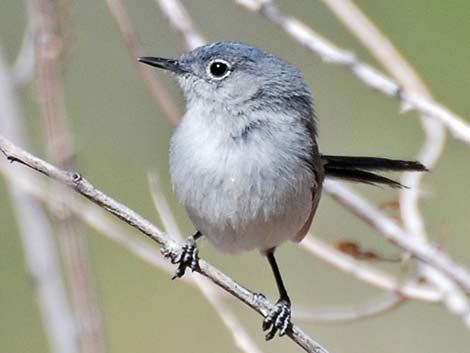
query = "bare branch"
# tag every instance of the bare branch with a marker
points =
(334, 315)
(384, 50)
(378, 44)
(330, 53)
(158, 91)
(170, 248)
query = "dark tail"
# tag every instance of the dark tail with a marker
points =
(358, 168)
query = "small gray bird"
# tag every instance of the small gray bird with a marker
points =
(244, 160)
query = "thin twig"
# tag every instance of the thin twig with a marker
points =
(331, 53)
(75, 181)
(158, 90)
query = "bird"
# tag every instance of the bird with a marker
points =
(244, 160)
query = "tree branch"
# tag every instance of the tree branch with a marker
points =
(330, 53)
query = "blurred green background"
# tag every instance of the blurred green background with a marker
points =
(120, 135)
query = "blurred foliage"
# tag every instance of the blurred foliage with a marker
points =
(121, 135)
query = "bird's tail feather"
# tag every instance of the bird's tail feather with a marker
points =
(358, 168)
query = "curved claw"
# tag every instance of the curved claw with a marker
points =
(278, 320)
(188, 257)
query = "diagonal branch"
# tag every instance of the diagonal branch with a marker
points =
(330, 53)
(420, 249)
(75, 181)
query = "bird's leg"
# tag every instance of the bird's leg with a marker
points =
(279, 318)
(188, 256)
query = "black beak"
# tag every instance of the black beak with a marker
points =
(162, 63)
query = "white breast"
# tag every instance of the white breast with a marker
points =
(242, 194)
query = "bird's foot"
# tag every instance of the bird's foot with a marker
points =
(187, 257)
(278, 320)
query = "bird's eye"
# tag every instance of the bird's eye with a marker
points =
(219, 69)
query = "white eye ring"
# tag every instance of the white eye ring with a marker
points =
(218, 69)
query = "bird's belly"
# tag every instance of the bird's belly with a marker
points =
(241, 203)
(255, 231)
